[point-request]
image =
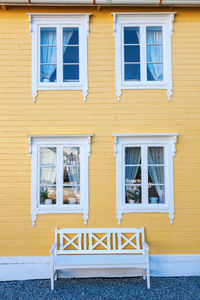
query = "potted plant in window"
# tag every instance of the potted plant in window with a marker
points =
(133, 195)
(45, 198)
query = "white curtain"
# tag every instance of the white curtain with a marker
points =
(48, 157)
(157, 172)
(154, 53)
(67, 34)
(48, 175)
(133, 156)
(48, 37)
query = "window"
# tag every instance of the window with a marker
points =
(143, 51)
(60, 175)
(59, 52)
(145, 173)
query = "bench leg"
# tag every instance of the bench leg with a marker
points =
(52, 283)
(148, 278)
(56, 275)
(52, 278)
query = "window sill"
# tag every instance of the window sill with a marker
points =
(144, 86)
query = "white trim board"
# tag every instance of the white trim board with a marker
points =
(38, 267)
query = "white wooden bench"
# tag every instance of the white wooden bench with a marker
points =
(99, 248)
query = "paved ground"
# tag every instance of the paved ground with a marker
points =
(172, 288)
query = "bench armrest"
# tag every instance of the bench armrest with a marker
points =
(146, 247)
(53, 247)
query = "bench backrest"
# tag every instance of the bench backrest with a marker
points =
(99, 240)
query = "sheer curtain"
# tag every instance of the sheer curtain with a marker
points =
(67, 34)
(48, 54)
(154, 53)
(157, 172)
(133, 156)
(48, 157)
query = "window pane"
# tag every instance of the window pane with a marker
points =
(154, 35)
(132, 72)
(156, 194)
(48, 36)
(71, 54)
(155, 155)
(48, 156)
(71, 175)
(48, 195)
(133, 194)
(71, 155)
(131, 35)
(47, 73)
(154, 54)
(47, 175)
(154, 72)
(132, 53)
(71, 72)
(70, 36)
(133, 175)
(71, 195)
(48, 55)
(132, 155)
(156, 175)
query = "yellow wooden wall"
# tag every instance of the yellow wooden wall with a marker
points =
(64, 112)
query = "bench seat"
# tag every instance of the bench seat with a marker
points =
(99, 260)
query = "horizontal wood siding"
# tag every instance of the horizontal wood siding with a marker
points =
(64, 112)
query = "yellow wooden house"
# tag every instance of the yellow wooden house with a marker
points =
(99, 128)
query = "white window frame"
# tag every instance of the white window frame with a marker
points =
(82, 141)
(165, 20)
(59, 21)
(168, 141)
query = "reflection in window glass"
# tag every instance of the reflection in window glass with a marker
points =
(48, 54)
(131, 54)
(154, 49)
(71, 175)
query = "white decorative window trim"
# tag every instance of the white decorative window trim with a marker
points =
(164, 19)
(168, 140)
(80, 20)
(84, 141)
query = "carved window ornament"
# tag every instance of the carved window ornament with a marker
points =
(60, 175)
(59, 52)
(144, 164)
(143, 51)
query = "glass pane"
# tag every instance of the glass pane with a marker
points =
(156, 175)
(132, 72)
(71, 175)
(133, 194)
(71, 54)
(154, 54)
(154, 35)
(48, 55)
(132, 53)
(71, 195)
(71, 155)
(48, 36)
(132, 155)
(47, 175)
(47, 73)
(133, 175)
(48, 195)
(156, 194)
(48, 155)
(131, 35)
(154, 72)
(70, 36)
(71, 72)
(155, 155)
